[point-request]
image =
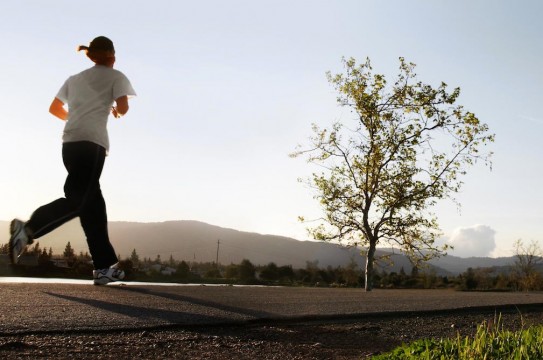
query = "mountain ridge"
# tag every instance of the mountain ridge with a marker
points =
(192, 240)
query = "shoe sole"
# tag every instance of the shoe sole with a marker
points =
(101, 282)
(105, 281)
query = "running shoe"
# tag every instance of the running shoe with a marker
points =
(18, 240)
(105, 276)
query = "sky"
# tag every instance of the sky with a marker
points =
(228, 89)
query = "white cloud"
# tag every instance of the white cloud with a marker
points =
(477, 240)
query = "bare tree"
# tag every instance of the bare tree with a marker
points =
(525, 270)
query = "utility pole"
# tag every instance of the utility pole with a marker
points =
(217, 259)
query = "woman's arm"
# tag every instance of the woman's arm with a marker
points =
(121, 107)
(58, 110)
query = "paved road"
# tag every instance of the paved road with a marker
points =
(34, 307)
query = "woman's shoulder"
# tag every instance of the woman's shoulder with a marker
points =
(102, 72)
(114, 72)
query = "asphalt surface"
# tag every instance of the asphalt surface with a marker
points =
(56, 306)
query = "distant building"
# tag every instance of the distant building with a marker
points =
(158, 268)
(168, 271)
(155, 267)
(60, 262)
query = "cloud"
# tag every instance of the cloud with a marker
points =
(477, 240)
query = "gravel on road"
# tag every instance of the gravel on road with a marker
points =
(358, 337)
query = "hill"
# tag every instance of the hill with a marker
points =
(457, 265)
(197, 241)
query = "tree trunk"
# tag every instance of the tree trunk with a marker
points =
(370, 257)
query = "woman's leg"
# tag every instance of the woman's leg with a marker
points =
(94, 222)
(84, 162)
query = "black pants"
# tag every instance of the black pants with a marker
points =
(84, 162)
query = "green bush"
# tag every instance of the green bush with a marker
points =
(490, 342)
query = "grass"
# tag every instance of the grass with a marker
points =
(491, 341)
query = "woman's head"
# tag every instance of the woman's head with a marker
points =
(101, 51)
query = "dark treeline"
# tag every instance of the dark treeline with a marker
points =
(69, 264)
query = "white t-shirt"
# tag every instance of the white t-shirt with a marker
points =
(90, 96)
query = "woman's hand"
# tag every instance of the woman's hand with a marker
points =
(121, 107)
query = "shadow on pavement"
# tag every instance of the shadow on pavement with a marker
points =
(257, 314)
(144, 312)
(168, 316)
